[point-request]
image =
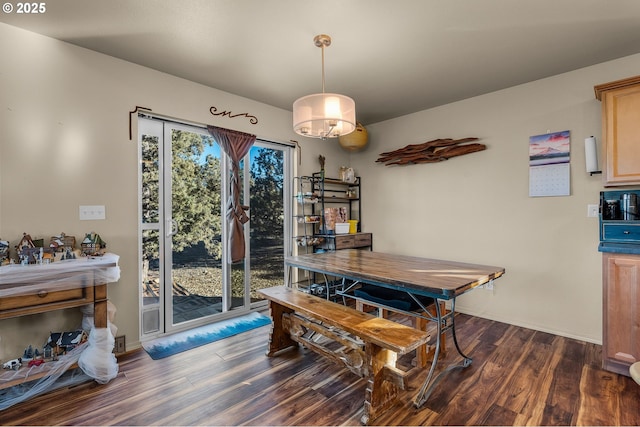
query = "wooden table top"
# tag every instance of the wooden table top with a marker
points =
(432, 277)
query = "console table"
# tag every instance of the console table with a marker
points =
(32, 289)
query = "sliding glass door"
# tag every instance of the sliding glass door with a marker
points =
(267, 196)
(185, 281)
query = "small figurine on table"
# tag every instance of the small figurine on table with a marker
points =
(93, 245)
(13, 364)
(4, 251)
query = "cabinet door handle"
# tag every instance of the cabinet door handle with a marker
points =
(626, 232)
(43, 294)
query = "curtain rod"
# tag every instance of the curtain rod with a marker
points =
(159, 117)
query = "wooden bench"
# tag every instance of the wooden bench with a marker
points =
(368, 345)
(370, 296)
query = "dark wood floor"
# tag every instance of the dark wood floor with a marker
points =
(518, 377)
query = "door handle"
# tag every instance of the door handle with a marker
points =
(172, 227)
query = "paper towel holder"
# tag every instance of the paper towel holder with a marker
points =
(591, 156)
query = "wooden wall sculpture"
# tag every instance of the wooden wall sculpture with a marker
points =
(431, 151)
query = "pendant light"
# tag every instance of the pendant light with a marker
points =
(324, 115)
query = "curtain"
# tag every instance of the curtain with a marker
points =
(236, 145)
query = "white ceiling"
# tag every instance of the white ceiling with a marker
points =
(393, 57)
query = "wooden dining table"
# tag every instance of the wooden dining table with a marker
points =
(441, 280)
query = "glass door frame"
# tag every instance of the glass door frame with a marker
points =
(167, 227)
(164, 306)
(288, 152)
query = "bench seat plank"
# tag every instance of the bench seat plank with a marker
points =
(382, 332)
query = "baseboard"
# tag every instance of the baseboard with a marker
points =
(529, 326)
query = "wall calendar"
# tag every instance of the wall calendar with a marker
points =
(549, 167)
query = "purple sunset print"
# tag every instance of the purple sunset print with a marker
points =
(550, 148)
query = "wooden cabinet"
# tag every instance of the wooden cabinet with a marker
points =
(353, 241)
(621, 315)
(620, 131)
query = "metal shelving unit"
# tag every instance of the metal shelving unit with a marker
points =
(310, 229)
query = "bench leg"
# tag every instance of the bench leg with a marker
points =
(279, 338)
(424, 353)
(423, 356)
(382, 391)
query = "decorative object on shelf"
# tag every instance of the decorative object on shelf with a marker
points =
(324, 115)
(332, 216)
(68, 254)
(307, 197)
(321, 160)
(350, 176)
(26, 250)
(60, 343)
(25, 242)
(342, 227)
(309, 240)
(4, 251)
(62, 247)
(433, 151)
(252, 119)
(13, 364)
(356, 140)
(62, 242)
(93, 245)
(347, 174)
(309, 219)
(30, 354)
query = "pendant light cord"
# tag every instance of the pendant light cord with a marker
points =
(322, 67)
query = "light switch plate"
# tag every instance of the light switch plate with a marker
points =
(592, 211)
(92, 212)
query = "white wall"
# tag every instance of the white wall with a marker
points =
(475, 208)
(64, 142)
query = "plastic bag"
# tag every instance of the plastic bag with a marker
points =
(57, 376)
(97, 360)
(88, 319)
